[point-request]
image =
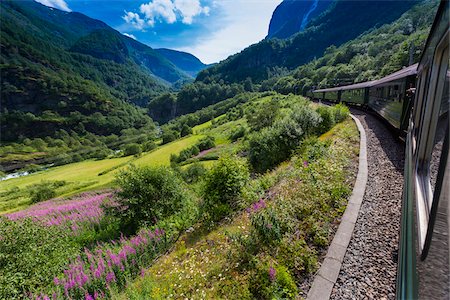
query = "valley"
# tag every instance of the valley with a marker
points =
(149, 174)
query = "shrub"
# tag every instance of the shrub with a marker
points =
(224, 186)
(44, 190)
(298, 256)
(132, 149)
(185, 130)
(147, 195)
(31, 255)
(312, 149)
(263, 116)
(341, 112)
(274, 144)
(270, 281)
(185, 154)
(206, 143)
(328, 121)
(169, 136)
(194, 172)
(267, 226)
(237, 133)
(149, 146)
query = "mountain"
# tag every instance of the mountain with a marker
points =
(46, 85)
(292, 16)
(61, 69)
(367, 57)
(341, 22)
(184, 61)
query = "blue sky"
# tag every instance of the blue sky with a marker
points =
(210, 29)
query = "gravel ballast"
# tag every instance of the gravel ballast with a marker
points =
(369, 267)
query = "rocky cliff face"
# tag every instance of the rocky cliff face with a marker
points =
(292, 16)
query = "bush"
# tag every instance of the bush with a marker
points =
(132, 149)
(237, 133)
(148, 195)
(268, 227)
(263, 116)
(224, 186)
(185, 130)
(169, 136)
(44, 190)
(206, 143)
(31, 255)
(328, 121)
(274, 144)
(269, 281)
(194, 172)
(149, 146)
(185, 154)
(341, 112)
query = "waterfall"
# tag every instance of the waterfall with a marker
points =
(306, 16)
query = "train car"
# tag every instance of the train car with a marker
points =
(389, 97)
(354, 94)
(424, 248)
(310, 94)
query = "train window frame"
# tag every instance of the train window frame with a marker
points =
(431, 102)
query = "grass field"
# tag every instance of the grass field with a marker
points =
(84, 175)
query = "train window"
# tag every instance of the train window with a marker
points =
(441, 129)
(433, 122)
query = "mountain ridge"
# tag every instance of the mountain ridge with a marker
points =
(334, 27)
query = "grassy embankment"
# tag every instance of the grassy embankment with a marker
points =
(227, 263)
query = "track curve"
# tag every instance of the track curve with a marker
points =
(369, 267)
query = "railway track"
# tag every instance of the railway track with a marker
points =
(369, 267)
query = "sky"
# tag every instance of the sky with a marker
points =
(212, 30)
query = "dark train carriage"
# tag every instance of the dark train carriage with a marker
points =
(424, 252)
(391, 96)
(310, 94)
(331, 94)
(356, 94)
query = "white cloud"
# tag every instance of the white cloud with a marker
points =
(188, 9)
(59, 4)
(129, 35)
(246, 23)
(134, 19)
(159, 9)
(168, 11)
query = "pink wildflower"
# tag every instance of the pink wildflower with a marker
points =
(272, 274)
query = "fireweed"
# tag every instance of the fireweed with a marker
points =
(86, 209)
(92, 274)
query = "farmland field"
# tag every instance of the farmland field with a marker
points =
(84, 176)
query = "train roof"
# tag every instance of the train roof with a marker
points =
(405, 72)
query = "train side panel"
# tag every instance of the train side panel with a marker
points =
(389, 100)
(332, 96)
(356, 96)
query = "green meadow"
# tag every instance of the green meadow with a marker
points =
(84, 176)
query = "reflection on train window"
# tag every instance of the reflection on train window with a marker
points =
(441, 131)
(419, 107)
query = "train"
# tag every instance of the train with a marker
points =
(390, 97)
(415, 102)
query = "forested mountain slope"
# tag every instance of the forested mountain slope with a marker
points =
(371, 56)
(60, 68)
(343, 21)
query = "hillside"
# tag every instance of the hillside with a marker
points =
(334, 27)
(293, 16)
(58, 69)
(371, 56)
